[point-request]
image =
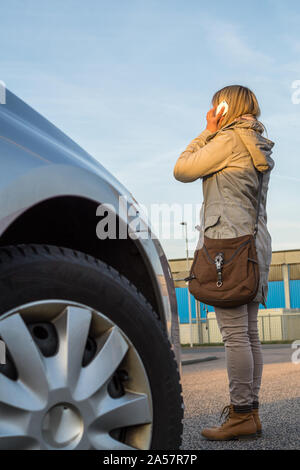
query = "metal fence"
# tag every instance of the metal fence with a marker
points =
(271, 328)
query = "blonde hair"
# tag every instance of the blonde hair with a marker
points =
(241, 100)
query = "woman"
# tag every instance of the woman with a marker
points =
(228, 155)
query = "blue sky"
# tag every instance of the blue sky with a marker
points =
(131, 82)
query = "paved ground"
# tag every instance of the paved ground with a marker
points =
(205, 389)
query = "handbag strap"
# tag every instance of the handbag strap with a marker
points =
(260, 177)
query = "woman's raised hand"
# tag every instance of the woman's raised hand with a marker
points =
(212, 120)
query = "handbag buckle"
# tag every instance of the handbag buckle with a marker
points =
(219, 261)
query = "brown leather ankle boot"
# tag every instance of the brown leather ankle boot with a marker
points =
(257, 419)
(236, 426)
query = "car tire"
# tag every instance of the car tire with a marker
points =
(39, 273)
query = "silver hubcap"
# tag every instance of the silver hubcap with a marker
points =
(58, 402)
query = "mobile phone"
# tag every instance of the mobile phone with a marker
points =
(224, 105)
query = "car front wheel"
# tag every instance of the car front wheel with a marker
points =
(88, 362)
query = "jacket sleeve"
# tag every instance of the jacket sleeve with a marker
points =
(200, 159)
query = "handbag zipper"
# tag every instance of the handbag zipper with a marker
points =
(191, 275)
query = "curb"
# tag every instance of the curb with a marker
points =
(195, 361)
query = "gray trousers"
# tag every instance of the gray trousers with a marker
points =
(239, 330)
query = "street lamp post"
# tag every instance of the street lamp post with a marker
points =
(189, 295)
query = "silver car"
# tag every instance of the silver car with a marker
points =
(89, 323)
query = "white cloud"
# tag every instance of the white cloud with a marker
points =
(287, 177)
(227, 40)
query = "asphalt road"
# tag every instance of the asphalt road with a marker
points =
(205, 390)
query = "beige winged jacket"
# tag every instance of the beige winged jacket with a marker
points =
(228, 162)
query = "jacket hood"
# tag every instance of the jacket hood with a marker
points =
(260, 148)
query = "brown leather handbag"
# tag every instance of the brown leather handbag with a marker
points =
(225, 271)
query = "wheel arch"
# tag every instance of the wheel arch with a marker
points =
(60, 221)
